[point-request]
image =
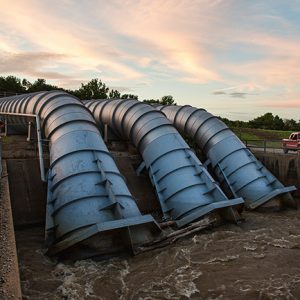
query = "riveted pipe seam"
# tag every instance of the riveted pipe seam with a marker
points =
(53, 187)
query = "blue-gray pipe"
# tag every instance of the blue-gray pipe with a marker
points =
(184, 188)
(87, 194)
(237, 169)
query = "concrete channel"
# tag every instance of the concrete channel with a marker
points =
(23, 198)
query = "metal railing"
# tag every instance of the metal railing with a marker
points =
(269, 145)
(8, 94)
(36, 118)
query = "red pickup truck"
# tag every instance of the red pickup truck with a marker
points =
(292, 143)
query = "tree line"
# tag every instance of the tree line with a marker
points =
(96, 89)
(266, 121)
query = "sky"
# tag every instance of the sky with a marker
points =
(236, 58)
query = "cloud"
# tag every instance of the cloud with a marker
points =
(121, 89)
(278, 65)
(161, 41)
(54, 31)
(31, 63)
(289, 104)
(159, 32)
(219, 93)
(238, 95)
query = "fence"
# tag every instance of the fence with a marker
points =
(8, 94)
(273, 146)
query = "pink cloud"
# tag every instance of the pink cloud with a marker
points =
(155, 40)
(287, 104)
(46, 32)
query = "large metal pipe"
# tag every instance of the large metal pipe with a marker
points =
(89, 205)
(184, 188)
(237, 169)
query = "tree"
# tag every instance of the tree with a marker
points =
(278, 123)
(261, 121)
(11, 85)
(291, 124)
(94, 89)
(167, 100)
(114, 94)
(129, 96)
(39, 85)
(151, 101)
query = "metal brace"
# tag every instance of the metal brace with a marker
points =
(140, 168)
(108, 187)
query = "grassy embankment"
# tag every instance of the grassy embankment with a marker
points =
(258, 136)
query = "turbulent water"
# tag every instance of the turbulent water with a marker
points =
(260, 259)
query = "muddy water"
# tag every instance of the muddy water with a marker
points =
(260, 259)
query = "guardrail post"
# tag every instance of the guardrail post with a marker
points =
(29, 132)
(265, 146)
(40, 148)
(39, 136)
(5, 127)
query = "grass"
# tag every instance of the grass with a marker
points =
(258, 136)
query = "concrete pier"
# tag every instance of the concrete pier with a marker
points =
(284, 166)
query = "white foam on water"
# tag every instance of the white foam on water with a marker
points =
(68, 288)
(246, 288)
(250, 247)
(183, 270)
(259, 255)
(88, 290)
(281, 243)
(123, 273)
(202, 240)
(217, 260)
(177, 283)
(276, 289)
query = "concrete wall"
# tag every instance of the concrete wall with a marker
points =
(139, 186)
(28, 192)
(9, 272)
(284, 166)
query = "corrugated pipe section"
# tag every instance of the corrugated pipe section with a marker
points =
(89, 205)
(184, 188)
(237, 169)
